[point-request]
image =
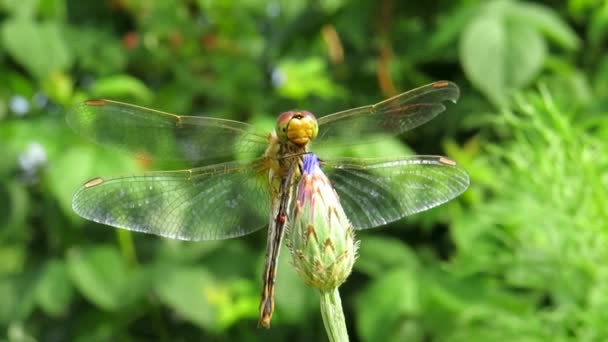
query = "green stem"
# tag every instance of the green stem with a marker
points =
(333, 316)
(127, 248)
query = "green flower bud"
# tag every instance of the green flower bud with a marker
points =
(321, 238)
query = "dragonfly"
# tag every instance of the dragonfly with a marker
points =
(255, 187)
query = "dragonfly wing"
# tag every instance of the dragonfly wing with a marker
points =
(151, 134)
(374, 193)
(393, 116)
(209, 203)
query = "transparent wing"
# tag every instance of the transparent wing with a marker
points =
(209, 203)
(393, 116)
(151, 134)
(374, 193)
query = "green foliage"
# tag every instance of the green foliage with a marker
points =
(546, 212)
(192, 294)
(304, 78)
(527, 263)
(520, 256)
(503, 48)
(39, 47)
(55, 290)
(102, 276)
(118, 86)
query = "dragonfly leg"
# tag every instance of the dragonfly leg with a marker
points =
(275, 236)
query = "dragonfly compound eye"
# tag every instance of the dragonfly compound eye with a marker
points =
(298, 127)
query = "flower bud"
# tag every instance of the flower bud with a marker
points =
(321, 238)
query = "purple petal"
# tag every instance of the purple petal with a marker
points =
(311, 163)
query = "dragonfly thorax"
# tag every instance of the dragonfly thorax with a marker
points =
(297, 126)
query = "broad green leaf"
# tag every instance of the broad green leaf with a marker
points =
(65, 177)
(53, 9)
(13, 258)
(392, 299)
(54, 291)
(205, 300)
(482, 54)
(332, 6)
(378, 255)
(294, 301)
(526, 53)
(450, 27)
(232, 265)
(298, 79)
(500, 54)
(79, 164)
(14, 214)
(185, 251)
(547, 21)
(59, 87)
(121, 86)
(243, 303)
(103, 277)
(19, 84)
(20, 9)
(3, 107)
(571, 87)
(193, 294)
(17, 332)
(17, 297)
(39, 47)
(599, 79)
(85, 43)
(98, 325)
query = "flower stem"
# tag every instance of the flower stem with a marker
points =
(333, 316)
(127, 247)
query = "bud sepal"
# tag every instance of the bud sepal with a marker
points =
(321, 238)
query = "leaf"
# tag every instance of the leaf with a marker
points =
(302, 78)
(599, 79)
(65, 178)
(525, 54)
(378, 255)
(193, 294)
(54, 291)
(39, 47)
(103, 277)
(13, 258)
(500, 54)
(85, 43)
(21, 9)
(17, 332)
(59, 87)
(13, 215)
(243, 303)
(390, 299)
(332, 6)
(482, 53)
(449, 28)
(180, 251)
(121, 86)
(294, 301)
(53, 8)
(16, 296)
(547, 21)
(77, 165)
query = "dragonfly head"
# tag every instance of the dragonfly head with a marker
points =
(297, 126)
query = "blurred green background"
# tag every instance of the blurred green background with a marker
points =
(522, 255)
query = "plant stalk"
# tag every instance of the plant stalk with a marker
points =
(127, 247)
(333, 316)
